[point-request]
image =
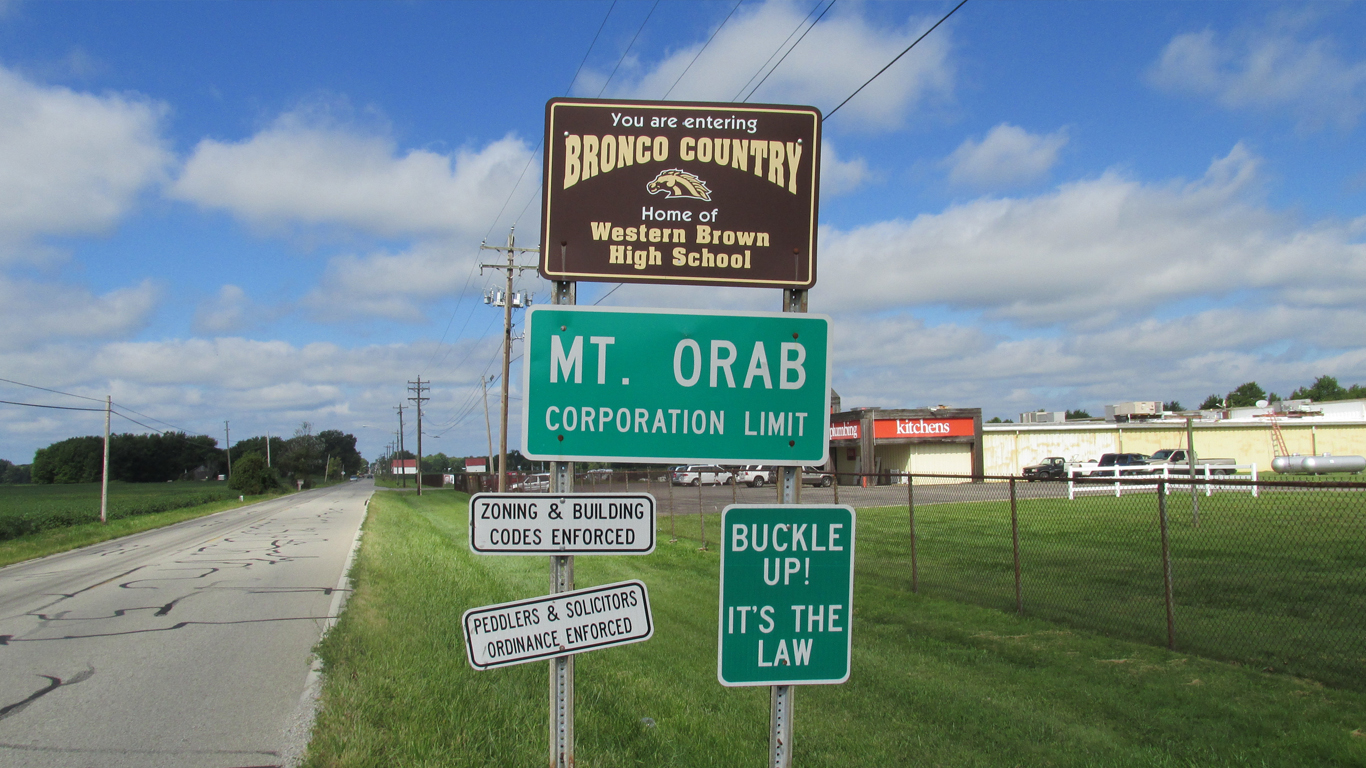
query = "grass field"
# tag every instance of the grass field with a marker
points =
(1277, 582)
(39, 520)
(935, 682)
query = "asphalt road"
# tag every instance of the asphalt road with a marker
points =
(185, 646)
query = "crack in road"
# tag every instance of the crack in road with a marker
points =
(53, 683)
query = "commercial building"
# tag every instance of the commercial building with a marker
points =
(883, 442)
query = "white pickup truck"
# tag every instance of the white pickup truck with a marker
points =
(1174, 461)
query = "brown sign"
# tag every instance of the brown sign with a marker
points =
(680, 192)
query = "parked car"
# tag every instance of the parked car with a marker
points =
(700, 474)
(754, 475)
(1051, 467)
(1175, 461)
(817, 476)
(1127, 464)
(533, 484)
(810, 476)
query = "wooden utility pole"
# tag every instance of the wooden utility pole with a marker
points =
(417, 389)
(507, 303)
(227, 445)
(484, 383)
(399, 408)
(104, 477)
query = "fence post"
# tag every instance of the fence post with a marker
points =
(1015, 544)
(836, 486)
(910, 509)
(669, 481)
(701, 519)
(1255, 486)
(1167, 567)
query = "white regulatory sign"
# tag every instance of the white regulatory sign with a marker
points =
(557, 625)
(562, 524)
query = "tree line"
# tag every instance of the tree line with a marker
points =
(159, 457)
(1324, 389)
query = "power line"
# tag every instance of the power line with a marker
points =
(893, 61)
(54, 391)
(703, 48)
(736, 97)
(55, 407)
(793, 48)
(463, 291)
(628, 48)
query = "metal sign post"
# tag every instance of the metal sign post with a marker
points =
(561, 580)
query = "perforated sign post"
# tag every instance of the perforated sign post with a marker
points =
(787, 593)
(657, 385)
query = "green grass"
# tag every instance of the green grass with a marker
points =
(1277, 582)
(934, 682)
(26, 509)
(57, 518)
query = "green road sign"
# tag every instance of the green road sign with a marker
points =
(787, 594)
(657, 385)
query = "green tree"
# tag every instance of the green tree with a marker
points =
(1324, 389)
(1173, 406)
(252, 477)
(258, 445)
(304, 458)
(73, 460)
(15, 474)
(1211, 403)
(1080, 413)
(1246, 395)
(342, 445)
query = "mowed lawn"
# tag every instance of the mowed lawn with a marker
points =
(935, 682)
(1276, 582)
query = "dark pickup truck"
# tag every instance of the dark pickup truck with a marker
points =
(1053, 467)
(1127, 463)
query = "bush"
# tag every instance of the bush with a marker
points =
(251, 476)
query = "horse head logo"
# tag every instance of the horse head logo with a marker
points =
(679, 184)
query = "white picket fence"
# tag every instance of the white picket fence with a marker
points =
(1206, 471)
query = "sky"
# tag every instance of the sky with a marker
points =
(270, 213)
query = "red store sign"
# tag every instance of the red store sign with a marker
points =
(845, 430)
(894, 428)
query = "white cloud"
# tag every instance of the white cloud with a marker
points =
(839, 177)
(70, 162)
(1266, 71)
(303, 170)
(231, 310)
(33, 312)
(1008, 156)
(1095, 250)
(391, 285)
(838, 55)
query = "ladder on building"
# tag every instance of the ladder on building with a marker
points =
(1277, 438)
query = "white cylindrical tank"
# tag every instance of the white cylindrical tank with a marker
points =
(1322, 465)
(1317, 465)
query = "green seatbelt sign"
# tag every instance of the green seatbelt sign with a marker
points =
(787, 593)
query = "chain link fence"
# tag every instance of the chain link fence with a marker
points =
(1269, 574)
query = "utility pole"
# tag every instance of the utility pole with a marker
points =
(400, 444)
(485, 384)
(227, 445)
(104, 478)
(267, 447)
(508, 300)
(417, 389)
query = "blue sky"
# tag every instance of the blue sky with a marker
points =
(270, 212)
